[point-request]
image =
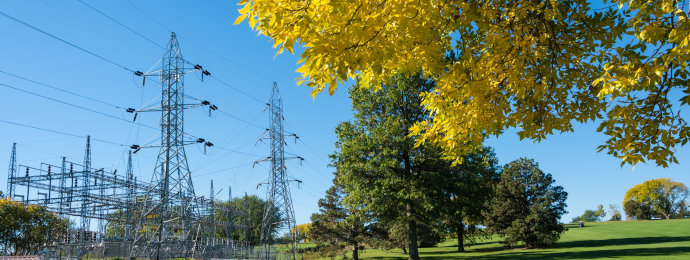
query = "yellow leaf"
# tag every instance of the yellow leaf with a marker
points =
(245, 9)
(240, 19)
(332, 87)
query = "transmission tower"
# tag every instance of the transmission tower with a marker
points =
(85, 193)
(165, 224)
(129, 226)
(12, 171)
(278, 196)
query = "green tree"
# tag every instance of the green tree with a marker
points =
(378, 165)
(465, 189)
(25, 229)
(247, 208)
(338, 226)
(615, 212)
(526, 206)
(661, 198)
(591, 215)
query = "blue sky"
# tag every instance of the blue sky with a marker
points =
(238, 56)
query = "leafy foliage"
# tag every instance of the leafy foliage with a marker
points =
(25, 229)
(591, 215)
(302, 231)
(539, 66)
(337, 226)
(661, 198)
(249, 208)
(615, 212)
(464, 191)
(527, 206)
(378, 165)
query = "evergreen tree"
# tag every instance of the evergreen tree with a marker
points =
(378, 165)
(338, 226)
(465, 191)
(527, 206)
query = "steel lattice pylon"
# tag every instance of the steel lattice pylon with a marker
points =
(278, 196)
(166, 218)
(12, 171)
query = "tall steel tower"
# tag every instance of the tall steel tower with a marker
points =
(169, 207)
(279, 215)
(86, 193)
(12, 171)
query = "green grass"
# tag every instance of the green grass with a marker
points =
(658, 239)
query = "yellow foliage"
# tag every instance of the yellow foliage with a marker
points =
(538, 66)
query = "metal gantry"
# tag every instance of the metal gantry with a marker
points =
(279, 215)
(63, 191)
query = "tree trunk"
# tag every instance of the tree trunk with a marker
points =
(460, 232)
(355, 251)
(412, 234)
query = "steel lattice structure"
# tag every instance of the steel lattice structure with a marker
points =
(117, 201)
(160, 219)
(170, 220)
(278, 194)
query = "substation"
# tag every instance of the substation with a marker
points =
(117, 215)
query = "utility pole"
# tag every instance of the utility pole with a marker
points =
(278, 197)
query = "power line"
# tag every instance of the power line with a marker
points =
(212, 52)
(238, 90)
(121, 24)
(138, 73)
(240, 119)
(236, 151)
(58, 132)
(62, 90)
(77, 106)
(198, 45)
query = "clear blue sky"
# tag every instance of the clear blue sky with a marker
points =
(246, 61)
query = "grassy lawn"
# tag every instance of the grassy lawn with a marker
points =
(658, 239)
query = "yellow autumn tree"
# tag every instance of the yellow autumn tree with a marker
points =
(302, 231)
(661, 198)
(537, 66)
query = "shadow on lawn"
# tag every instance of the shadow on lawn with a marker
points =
(575, 253)
(620, 241)
(644, 252)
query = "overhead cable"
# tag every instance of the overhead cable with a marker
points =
(136, 72)
(62, 133)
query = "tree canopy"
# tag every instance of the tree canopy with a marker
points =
(247, 221)
(378, 166)
(464, 192)
(538, 66)
(526, 206)
(661, 198)
(592, 215)
(25, 229)
(338, 226)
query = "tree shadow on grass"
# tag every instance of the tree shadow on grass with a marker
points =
(643, 252)
(574, 252)
(575, 247)
(620, 241)
(527, 254)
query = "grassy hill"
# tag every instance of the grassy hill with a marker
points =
(658, 239)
